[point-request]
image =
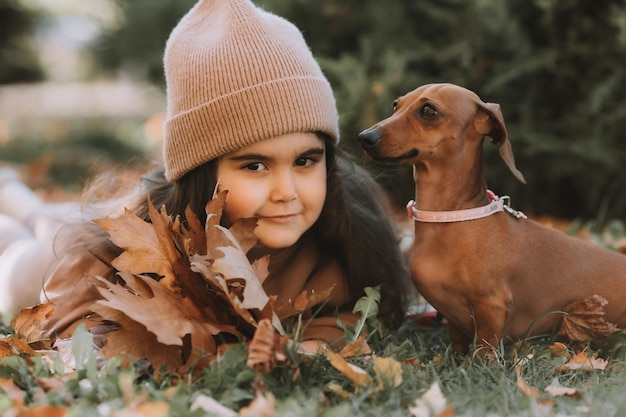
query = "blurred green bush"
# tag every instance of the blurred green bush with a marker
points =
(556, 67)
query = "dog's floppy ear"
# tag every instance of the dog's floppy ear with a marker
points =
(494, 127)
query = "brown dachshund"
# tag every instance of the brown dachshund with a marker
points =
(492, 273)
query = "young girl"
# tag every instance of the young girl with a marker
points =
(249, 111)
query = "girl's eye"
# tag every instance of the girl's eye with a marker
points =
(304, 162)
(255, 166)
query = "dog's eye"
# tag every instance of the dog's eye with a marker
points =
(395, 105)
(428, 111)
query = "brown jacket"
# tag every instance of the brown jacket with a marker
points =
(291, 271)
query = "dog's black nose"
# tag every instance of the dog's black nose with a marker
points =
(369, 138)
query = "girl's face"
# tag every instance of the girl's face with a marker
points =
(281, 180)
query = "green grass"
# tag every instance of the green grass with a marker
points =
(474, 386)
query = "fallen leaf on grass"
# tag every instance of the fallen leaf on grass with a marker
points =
(586, 320)
(356, 348)
(527, 390)
(582, 362)
(263, 405)
(388, 373)
(357, 375)
(555, 389)
(432, 404)
(558, 349)
(28, 324)
(266, 349)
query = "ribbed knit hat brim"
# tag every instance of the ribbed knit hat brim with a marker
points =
(237, 75)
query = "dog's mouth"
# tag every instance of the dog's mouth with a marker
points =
(394, 159)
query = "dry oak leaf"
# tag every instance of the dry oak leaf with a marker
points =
(149, 304)
(266, 349)
(28, 325)
(134, 341)
(582, 362)
(148, 247)
(586, 320)
(303, 302)
(208, 286)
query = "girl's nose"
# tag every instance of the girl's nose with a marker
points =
(284, 187)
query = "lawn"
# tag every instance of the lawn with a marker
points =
(411, 372)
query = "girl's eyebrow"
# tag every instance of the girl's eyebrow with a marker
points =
(316, 151)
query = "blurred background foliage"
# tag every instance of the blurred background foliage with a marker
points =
(556, 67)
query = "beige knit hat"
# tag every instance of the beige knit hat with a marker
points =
(236, 75)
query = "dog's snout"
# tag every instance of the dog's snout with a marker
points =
(369, 138)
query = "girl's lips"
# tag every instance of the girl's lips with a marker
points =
(279, 219)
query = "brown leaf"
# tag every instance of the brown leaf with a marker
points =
(134, 341)
(388, 372)
(356, 348)
(357, 375)
(527, 390)
(163, 313)
(28, 325)
(193, 236)
(265, 350)
(582, 362)
(558, 349)
(556, 390)
(20, 346)
(303, 302)
(148, 248)
(208, 286)
(586, 320)
(6, 349)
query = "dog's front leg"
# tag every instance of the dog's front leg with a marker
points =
(460, 342)
(490, 318)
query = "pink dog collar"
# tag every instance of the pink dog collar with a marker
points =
(497, 204)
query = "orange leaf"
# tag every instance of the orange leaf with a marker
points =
(357, 375)
(358, 347)
(28, 324)
(582, 362)
(303, 302)
(148, 248)
(527, 390)
(586, 320)
(6, 349)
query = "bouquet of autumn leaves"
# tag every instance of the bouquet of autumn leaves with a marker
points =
(208, 292)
